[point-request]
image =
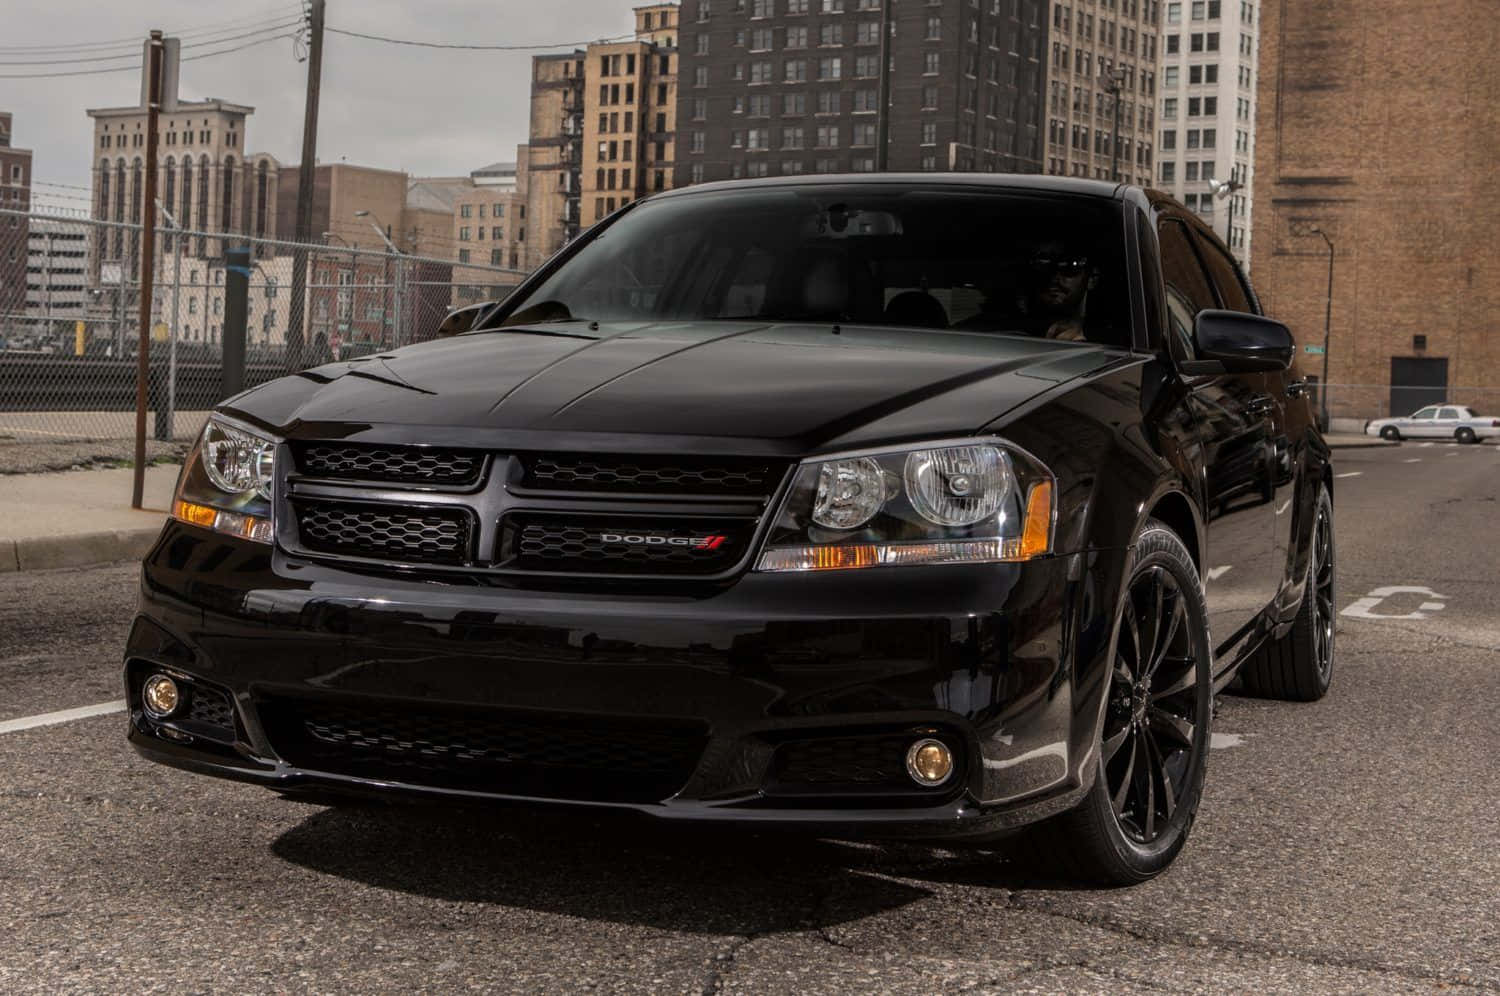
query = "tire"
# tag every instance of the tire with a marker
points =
(1465, 435)
(1390, 432)
(1114, 836)
(1299, 666)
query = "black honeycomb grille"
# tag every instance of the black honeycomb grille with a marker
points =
(633, 545)
(728, 476)
(872, 761)
(428, 536)
(210, 707)
(500, 751)
(395, 464)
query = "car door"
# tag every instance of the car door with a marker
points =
(1422, 424)
(1290, 415)
(1447, 422)
(1234, 422)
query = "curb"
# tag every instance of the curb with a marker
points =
(36, 553)
(1374, 444)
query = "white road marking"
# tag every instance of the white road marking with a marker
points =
(1219, 741)
(1450, 454)
(1214, 573)
(1352, 473)
(1413, 460)
(62, 716)
(1285, 505)
(1362, 608)
(1425, 445)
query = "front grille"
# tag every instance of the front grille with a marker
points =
(210, 707)
(395, 464)
(872, 761)
(507, 752)
(418, 535)
(725, 476)
(578, 543)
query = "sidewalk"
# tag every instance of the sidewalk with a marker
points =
(1355, 441)
(80, 517)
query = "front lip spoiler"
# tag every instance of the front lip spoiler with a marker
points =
(957, 818)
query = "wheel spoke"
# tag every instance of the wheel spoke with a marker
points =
(1179, 613)
(1113, 744)
(1168, 792)
(1151, 636)
(1146, 773)
(1118, 799)
(1186, 680)
(1135, 635)
(1179, 728)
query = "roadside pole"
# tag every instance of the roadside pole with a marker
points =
(296, 332)
(148, 268)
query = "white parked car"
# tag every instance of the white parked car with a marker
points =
(1437, 422)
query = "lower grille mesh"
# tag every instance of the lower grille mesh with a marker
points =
(429, 536)
(210, 707)
(505, 752)
(844, 761)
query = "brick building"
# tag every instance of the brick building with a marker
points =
(489, 230)
(774, 87)
(1378, 126)
(15, 195)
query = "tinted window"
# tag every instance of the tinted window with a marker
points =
(1226, 276)
(1449, 413)
(994, 262)
(1188, 289)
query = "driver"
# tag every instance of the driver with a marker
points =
(1057, 284)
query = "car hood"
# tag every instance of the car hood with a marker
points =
(791, 387)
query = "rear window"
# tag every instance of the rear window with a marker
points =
(991, 262)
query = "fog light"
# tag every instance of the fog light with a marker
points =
(160, 696)
(929, 762)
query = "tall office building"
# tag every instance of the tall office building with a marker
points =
(1207, 84)
(1378, 128)
(772, 87)
(603, 122)
(206, 180)
(1102, 70)
(15, 195)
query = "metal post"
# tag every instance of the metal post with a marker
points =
(148, 267)
(883, 120)
(172, 332)
(297, 306)
(1327, 328)
(1114, 161)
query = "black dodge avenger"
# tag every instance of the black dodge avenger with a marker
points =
(924, 506)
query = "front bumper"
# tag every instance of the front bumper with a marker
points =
(779, 699)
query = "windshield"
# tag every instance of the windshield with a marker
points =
(972, 260)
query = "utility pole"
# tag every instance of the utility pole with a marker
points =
(883, 125)
(148, 267)
(1112, 84)
(1327, 327)
(297, 306)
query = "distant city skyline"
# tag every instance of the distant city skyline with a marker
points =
(426, 111)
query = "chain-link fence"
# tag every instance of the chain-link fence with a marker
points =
(1362, 402)
(226, 311)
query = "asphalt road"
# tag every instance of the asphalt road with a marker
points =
(1351, 845)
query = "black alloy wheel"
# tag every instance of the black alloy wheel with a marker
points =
(1465, 435)
(1153, 742)
(1154, 709)
(1324, 594)
(1390, 432)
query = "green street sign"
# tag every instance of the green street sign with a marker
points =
(1315, 350)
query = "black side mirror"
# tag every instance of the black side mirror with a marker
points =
(461, 320)
(1234, 342)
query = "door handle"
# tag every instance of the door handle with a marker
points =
(1259, 405)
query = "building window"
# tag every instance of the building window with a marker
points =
(760, 72)
(828, 102)
(1169, 77)
(796, 37)
(862, 134)
(793, 104)
(700, 108)
(701, 45)
(828, 136)
(700, 76)
(758, 138)
(1169, 109)
(463, 255)
(791, 167)
(792, 138)
(465, 211)
(831, 34)
(795, 70)
(929, 98)
(831, 68)
(930, 63)
(695, 143)
(1168, 172)
(929, 132)
(866, 100)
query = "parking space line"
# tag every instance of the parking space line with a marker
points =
(61, 716)
(1352, 473)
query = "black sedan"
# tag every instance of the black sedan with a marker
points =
(896, 505)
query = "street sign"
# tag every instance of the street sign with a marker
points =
(1315, 350)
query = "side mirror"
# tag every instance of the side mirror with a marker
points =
(1234, 342)
(461, 320)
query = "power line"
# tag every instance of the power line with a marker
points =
(136, 55)
(479, 48)
(136, 68)
(216, 27)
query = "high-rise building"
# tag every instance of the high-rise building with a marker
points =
(56, 269)
(1101, 89)
(1207, 82)
(774, 87)
(206, 180)
(1379, 133)
(15, 196)
(489, 230)
(603, 129)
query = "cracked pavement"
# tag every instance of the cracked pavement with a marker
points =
(1347, 846)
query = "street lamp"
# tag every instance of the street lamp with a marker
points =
(1327, 324)
(1112, 83)
(1221, 189)
(395, 275)
(379, 230)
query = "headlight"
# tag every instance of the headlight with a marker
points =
(971, 501)
(226, 483)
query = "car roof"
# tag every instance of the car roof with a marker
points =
(1028, 182)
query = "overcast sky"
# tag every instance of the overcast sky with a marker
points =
(426, 111)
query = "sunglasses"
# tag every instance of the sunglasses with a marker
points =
(1066, 267)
